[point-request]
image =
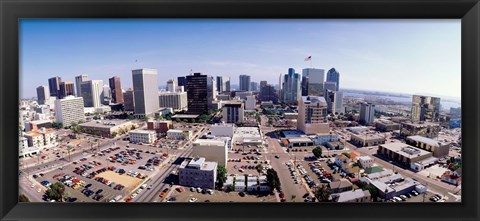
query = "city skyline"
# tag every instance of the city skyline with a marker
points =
(359, 50)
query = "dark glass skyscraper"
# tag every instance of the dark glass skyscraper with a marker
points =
(182, 81)
(200, 93)
(334, 76)
(66, 89)
(54, 86)
(244, 82)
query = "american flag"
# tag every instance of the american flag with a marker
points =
(308, 58)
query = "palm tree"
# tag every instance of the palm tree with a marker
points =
(323, 194)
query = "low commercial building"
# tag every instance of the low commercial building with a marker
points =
(424, 129)
(107, 128)
(142, 136)
(336, 145)
(37, 124)
(159, 126)
(392, 189)
(439, 149)
(250, 103)
(451, 177)
(290, 116)
(223, 130)
(198, 172)
(386, 125)
(366, 140)
(297, 142)
(355, 196)
(211, 150)
(365, 161)
(406, 155)
(341, 185)
(323, 139)
(247, 136)
(35, 139)
(179, 134)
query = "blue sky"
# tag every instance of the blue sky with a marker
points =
(408, 56)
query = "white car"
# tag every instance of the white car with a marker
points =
(199, 190)
(397, 198)
(192, 200)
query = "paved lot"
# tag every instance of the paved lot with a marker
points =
(219, 196)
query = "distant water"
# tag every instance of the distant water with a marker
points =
(445, 104)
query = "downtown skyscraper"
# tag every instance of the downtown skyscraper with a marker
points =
(291, 87)
(145, 83)
(43, 94)
(92, 93)
(312, 81)
(116, 89)
(201, 90)
(54, 86)
(66, 89)
(334, 76)
(425, 108)
(244, 81)
(78, 82)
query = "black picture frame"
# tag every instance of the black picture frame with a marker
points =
(466, 10)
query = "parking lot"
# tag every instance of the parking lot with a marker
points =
(218, 196)
(103, 176)
(245, 163)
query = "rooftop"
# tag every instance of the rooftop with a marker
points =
(189, 116)
(404, 149)
(105, 123)
(342, 183)
(420, 124)
(209, 142)
(351, 195)
(314, 100)
(143, 131)
(425, 140)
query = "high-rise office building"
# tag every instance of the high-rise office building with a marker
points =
(201, 91)
(175, 100)
(425, 108)
(304, 85)
(329, 86)
(128, 100)
(145, 83)
(66, 89)
(291, 87)
(233, 112)
(334, 101)
(263, 84)
(314, 82)
(69, 110)
(220, 85)
(78, 81)
(172, 85)
(312, 113)
(182, 81)
(254, 86)
(54, 86)
(43, 94)
(107, 95)
(226, 84)
(92, 93)
(244, 81)
(280, 87)
(334, 76)
(116, 89)
(367, 113)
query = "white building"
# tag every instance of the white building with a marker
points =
(92, 93)
(250, 103)
(69, 110)
(175, 100)
(198, 173)
(211, 150)
(179, 134)
(233, 112)
(247, 136)
(145, 87)
(367, 113)
(322, 139)
(365, 161)
(354, 196)
(223, 130)
(24, 150)
(172, 86)
(35, 139)
(143, 136)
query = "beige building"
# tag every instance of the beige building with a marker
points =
(439, 149)
(179, 134)
(312, 112)
(233, 112)
(211, 150)
(107, 128)
(403, 153)
(366, 140)
(175, 100)
(142, 136)
(386, 125)
(69, 110)
(424, 129)
(35, 139)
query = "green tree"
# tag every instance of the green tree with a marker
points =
(372, 189)
(259, 168)
(221, 176)
(317, 151)
(346, 154)
(130, 117)
(273, 180)
(270, 120)
(23, 198)
(323, 194)
(177, 120)
(56, 192)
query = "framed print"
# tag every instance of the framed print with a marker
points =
(239, 110)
